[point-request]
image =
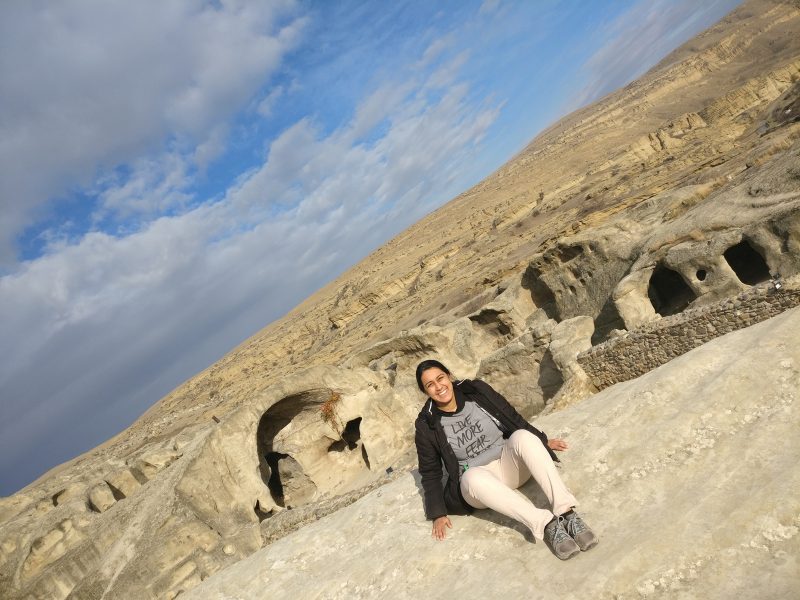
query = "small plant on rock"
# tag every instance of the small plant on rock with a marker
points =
(328, 410)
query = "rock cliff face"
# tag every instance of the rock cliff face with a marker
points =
(680, 191)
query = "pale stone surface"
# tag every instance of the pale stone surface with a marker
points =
(671, 172)
(688, 474)
(124, 482)
(569, 338)
(101, 497)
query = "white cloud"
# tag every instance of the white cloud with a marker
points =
(446, 74)
(377, 106)
(154, 186)
(88, 86)
(435, 49)
(267, 104)
(211, 148)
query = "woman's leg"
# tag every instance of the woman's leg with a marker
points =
(525, 455)
(482, 488)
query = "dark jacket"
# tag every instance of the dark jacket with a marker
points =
(433, 449)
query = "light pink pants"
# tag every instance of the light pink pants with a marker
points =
(495, 485)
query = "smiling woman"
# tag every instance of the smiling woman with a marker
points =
(489, 450)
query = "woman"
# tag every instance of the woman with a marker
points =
(488, 451)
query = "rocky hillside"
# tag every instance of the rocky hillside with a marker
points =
(639, 227)
(676, 471)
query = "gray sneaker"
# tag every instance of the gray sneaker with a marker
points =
(556, 536)
(579, 531)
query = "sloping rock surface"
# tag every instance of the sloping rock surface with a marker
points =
(688, 474)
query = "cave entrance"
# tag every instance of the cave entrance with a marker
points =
(351, 440)
(668, 292)
(748, 264)
(283, 475)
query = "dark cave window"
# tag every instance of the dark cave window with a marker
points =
(668, 292)
(285, 478)
(749, 266)
(274, 483)
(351, 435)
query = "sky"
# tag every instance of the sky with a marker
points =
(175, 175)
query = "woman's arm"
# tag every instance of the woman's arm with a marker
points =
(430, 470)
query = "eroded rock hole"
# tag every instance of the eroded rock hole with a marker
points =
(274, 483)
(261, 513)
(490, 320)
(567, 253)
(749, 266)
(352, 433)
(280, 471)
(351, 440)
(668, 292)
(701, 274)
(541, 294)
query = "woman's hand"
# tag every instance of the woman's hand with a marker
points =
(557, 444)
(439, 526)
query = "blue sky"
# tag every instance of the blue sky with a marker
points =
(176, 175)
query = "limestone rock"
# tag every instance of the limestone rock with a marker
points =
(569, 338)
(124, 482)
(101, 498)
(677, 472)
(526, 369)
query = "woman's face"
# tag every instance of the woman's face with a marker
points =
(437, 385)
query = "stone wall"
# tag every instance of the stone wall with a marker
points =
(636, 352)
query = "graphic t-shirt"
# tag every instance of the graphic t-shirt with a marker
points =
(474, 436)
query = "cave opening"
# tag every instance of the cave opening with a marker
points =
(351, 436)
(283, 475)
(668, 292)
(748, 264)
(567, 253)
(274, 483)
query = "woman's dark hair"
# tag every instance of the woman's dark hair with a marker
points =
(424, 366)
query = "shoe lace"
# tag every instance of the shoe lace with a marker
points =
(559, 533)
(574, 525)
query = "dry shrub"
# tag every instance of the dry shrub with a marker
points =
(328, 410)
